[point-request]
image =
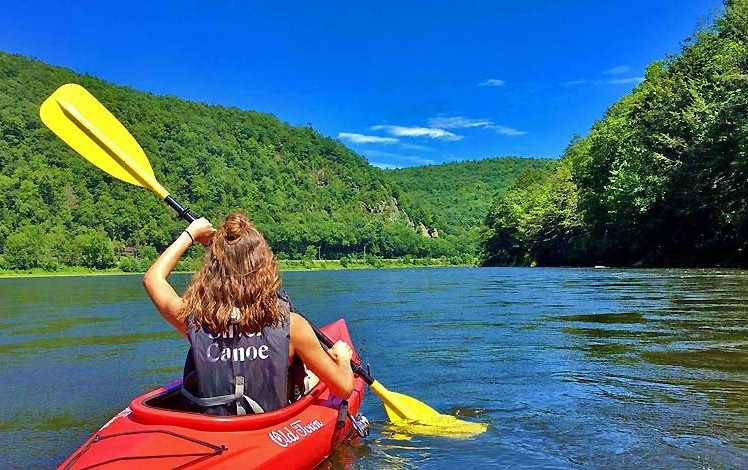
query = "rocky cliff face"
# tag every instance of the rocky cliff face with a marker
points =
(390, 210)
(428, 232)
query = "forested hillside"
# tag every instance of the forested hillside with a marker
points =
(307, 192)
(458, 194)
(312, 196)
(660, 180)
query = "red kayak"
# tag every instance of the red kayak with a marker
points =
(154, 433)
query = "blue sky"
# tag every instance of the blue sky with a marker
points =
(402, 83)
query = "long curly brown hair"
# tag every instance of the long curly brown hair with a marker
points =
(240, 271)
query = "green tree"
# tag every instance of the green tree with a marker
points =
(26, 249)
(95, 250)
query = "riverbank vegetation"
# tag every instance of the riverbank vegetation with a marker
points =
(191, 265)
(660, 180)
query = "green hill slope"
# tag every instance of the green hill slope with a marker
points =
(311, 195)
(303, 190)
(455, 197)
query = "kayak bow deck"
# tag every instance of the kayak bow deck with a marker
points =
(154, 433)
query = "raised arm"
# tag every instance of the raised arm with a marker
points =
(162, 294)
(332, 367)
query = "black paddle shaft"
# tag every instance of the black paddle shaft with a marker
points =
(357, 369)
(183, 212)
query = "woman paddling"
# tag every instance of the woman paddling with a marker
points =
(245, 340)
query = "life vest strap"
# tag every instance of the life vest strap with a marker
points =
(237, 397)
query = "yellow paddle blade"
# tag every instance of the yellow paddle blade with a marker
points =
(83, 123)
(411, 416)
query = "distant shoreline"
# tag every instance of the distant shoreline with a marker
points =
(285, 266)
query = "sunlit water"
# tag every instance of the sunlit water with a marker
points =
(570, 368)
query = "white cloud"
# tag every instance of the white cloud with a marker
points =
(422, 148)
(378, 155)
(492, 82)
(460, 122)
(575, 83)
(625, 81)
(503, 130)
(457, 122)
(618, 70)
(431, 133)
(385, 166)
(420, 160)
(612, 81)
(366, 139)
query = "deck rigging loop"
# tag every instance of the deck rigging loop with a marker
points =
(199, 456)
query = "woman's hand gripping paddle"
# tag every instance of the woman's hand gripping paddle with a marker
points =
(82, 122)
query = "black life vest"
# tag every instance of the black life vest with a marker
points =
(235, 374)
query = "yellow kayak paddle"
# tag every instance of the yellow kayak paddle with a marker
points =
(411, 416)
(82, 122)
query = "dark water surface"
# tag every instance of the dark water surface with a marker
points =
(571, 368)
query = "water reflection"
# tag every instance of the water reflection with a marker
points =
(571, 368)
(687, 346)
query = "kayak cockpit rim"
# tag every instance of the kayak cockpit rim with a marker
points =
(164, 407)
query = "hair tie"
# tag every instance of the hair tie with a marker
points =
(189, 235)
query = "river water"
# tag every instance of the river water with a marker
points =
(570, 368)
